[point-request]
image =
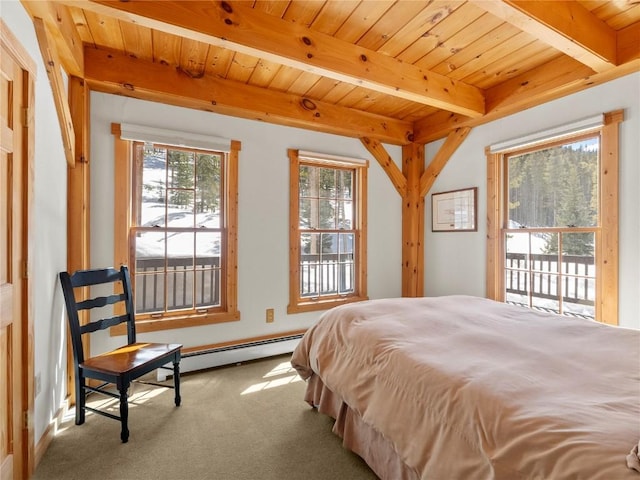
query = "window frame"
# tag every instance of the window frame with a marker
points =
(124, 189)
(297, 303)
(606, 231)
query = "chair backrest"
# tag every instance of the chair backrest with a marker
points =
(89, 278)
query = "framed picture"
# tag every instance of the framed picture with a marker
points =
(454, 211)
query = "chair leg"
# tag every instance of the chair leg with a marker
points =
(176, 381)
(124, 412)
(81, 398)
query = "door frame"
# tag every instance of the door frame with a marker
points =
(23, 468)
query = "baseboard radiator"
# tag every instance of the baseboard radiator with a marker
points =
(194, 360)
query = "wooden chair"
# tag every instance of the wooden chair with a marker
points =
(118, 367)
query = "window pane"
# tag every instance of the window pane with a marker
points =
(329, 265)
(181, 208)
(207, 274)
(150, 245)
(150, 249)
(181, 169)
(578, 268)
(152, 185)
(517, 268)
(345, 184)
(346, 261)
(208, 184)
(306, 211)
(327, 212)
(327, 182)
(308, 244)
(544, 248)
(207, 286)
(208, 244)
(555, 187)
(179, 288)
(583, 304)
(309, 264)
(149, 287)
(344, 215)
(180, 250)
(304, 180)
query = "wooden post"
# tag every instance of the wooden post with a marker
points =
(413, 183)
(413, 222)
(607, 306)
(78, 193)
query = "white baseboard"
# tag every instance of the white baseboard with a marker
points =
(228, 357)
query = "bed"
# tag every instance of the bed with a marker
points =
(460, 387)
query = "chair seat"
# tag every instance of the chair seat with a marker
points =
(128, 358)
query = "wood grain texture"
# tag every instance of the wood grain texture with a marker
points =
(120, 74)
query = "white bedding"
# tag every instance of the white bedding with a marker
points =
(467, 388)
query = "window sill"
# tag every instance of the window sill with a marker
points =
(176, 322)
(312, 306)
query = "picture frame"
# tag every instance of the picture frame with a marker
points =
(455, 210)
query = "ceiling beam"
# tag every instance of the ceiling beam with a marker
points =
(60, 98)
(110, 72)
(563, 25)
(629, 43)
(234, 26)
(555, 79)
(63, 33)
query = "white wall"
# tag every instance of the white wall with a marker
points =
(263, 232)
(48, 232)
(455, 262)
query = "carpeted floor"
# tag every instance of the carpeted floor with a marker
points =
(240, 422)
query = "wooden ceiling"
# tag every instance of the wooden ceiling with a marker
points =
(396, 71)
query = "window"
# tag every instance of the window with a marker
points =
(176, 229)
(552, 212)
(327, 243)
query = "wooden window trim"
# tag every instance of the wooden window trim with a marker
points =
(607, 234)
(297, 304)
(122, 254)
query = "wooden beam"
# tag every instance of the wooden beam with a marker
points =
(63, 32)
(451, 144)
(50, 58)
(564, 25)
(233, 26)
(120, 74)
(394, 173)
(78, 193)
(555, 79)
(629, 43)
(78, 196)
(495, 244)
(609, 245)
(413, 222)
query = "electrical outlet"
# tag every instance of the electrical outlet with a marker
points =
(270, 315)
(38, 384)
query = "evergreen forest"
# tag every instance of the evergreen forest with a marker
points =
(556, 187)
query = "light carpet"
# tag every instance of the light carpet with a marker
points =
(246, 421)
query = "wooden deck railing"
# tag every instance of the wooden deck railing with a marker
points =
(326, 274)
(577, 275)
(333, 274)
(150, 280)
